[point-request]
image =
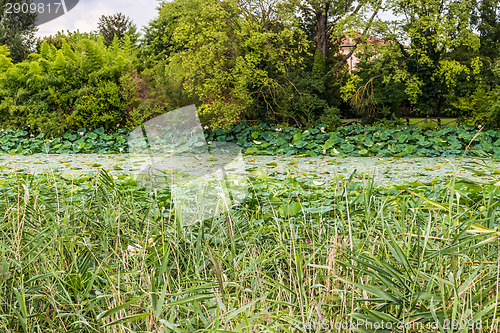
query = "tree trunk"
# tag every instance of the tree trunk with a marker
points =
(439, 112)
(321, 28)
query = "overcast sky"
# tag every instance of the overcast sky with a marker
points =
(86, 13)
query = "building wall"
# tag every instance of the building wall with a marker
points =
(347, 45)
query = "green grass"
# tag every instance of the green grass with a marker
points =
(429, 123)
(98, 254)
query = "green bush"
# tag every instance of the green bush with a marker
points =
(101, 106)
(83, 83)
(331, 118)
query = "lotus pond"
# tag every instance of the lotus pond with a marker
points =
(384, 170)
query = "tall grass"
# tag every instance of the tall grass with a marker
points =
(98, 254)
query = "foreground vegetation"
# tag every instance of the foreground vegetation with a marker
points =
(83, 253)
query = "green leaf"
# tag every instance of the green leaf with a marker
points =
(128, 319)
(192, 298)
(297, 137)
(347, 148)
(259, 174)
(289, 210)
(429, 201)
(329, 143)
(409, 149)
(374, 291)
(301, 144)
(118, 308)
(363, 152)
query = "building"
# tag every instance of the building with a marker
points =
(349, 43)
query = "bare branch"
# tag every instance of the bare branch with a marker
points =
(347, 5)
(306, 8)
(354, 12)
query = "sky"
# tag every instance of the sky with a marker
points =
(86, 13)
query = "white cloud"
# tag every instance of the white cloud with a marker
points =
(85, 15)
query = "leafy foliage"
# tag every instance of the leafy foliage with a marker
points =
(493, 99)
(377, 89)
(81, 84)
(117, 26)
(265, 139)
(426, 78)
(82, 141)
(421, 253)
(17, 30)
(486, 18)
(360, 141)
(227, 55)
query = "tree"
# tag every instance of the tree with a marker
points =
(369, 91)
(435, 30)
(486, 18)
(434, 76)
(477, 99)
(493, 100)
(117, 25)
(158, 37)
(228, 54)
(17, 31)
(429, 68)
(331, 18)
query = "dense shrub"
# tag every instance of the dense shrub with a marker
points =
(83, 83)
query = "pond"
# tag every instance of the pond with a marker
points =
(385, 170)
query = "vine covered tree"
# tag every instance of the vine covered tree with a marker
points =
(334, 19)
(226, 55)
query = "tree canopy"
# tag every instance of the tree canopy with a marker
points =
(228, 54)
(117, 26)
(276, 61)
(17, 30)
